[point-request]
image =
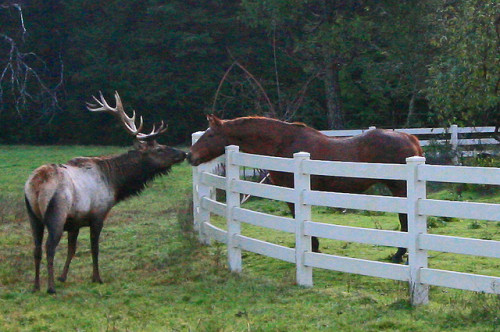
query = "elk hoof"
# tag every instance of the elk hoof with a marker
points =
(61, 279)
(97, 280)
(51, 291)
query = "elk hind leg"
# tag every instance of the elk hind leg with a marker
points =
(72, 241)
(37, 229)
(54, 219)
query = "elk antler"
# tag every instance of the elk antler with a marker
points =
(128, 122)
(154, 132)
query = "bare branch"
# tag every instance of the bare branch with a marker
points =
(251, 78)
(20, 77)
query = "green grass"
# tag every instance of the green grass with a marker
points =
(158, 278)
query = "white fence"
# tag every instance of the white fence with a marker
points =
(415, 172)
(454, 135)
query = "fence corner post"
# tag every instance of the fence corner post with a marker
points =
(232, 201)
(417, 225)
(200, 215)
(302, 183)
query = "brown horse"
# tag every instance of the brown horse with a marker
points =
(271, 137)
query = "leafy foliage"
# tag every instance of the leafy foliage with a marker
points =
(337, 64)
(465, 78)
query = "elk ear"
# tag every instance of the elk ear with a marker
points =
(213, 121)
(139, 145)
(144, 145)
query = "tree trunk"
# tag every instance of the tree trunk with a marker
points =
(411, 109)
(332, 94)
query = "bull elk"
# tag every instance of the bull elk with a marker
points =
(66, 197)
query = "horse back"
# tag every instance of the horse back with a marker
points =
(386, 146)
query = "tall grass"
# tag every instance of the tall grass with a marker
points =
(157, 277)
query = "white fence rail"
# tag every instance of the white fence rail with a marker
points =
(416, 173)
(455, 134)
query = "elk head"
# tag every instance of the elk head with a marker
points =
(157, 155)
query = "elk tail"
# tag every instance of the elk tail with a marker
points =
(31, 214)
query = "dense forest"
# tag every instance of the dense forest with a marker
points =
(330, 64)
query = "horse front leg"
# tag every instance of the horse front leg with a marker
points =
(314, 239)
(398, 256)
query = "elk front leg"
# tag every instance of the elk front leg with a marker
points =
(95, 232)
(72, 237)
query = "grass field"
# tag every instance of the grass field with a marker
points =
(158, 278)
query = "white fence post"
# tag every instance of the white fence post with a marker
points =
(454, 143)
(454, 137)
(200, 215)
(302, 214)
(232, 201)
(417, 225)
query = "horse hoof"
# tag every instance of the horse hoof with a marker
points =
(397, 259)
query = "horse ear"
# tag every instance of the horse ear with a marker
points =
(213, 121)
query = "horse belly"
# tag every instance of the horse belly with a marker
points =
(340, 184)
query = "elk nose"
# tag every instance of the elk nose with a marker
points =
(182, 155)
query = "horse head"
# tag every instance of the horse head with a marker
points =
(211, 144)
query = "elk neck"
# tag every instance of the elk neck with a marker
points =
(129, 173)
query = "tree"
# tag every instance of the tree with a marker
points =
(370, 56)
(320, 34)
(28, 88)
(465, 78)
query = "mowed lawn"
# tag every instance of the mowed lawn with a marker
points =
(157, 277)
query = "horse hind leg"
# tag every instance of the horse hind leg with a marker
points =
(37, 229)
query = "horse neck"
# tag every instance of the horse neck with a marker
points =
(128, 174)
(262, 137)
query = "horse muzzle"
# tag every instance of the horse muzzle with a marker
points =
(191, 160)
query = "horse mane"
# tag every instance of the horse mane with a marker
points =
(252, 118)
